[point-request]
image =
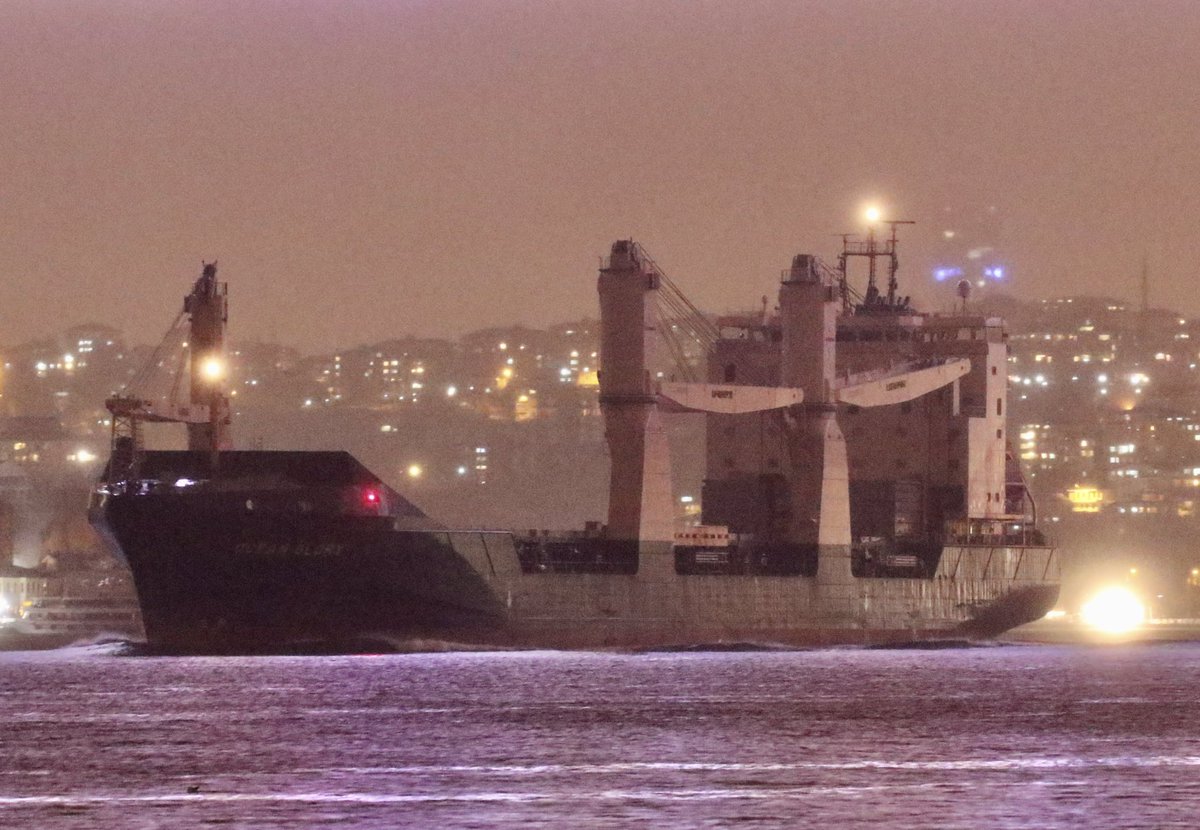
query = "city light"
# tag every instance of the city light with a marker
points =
(1085, 499)
(1114, 611)
(873, 214)
(415, 471)
(213, 368)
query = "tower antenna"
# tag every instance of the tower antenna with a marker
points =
(1145, 285)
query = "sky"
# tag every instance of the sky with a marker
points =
(365, 169)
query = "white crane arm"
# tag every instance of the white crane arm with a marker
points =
(899, 385)
(725, 398)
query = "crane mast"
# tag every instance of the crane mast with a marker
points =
(208, 311)
(200, 331)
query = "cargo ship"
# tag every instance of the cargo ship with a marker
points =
(858, 490)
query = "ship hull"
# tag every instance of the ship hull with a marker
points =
(215, 577)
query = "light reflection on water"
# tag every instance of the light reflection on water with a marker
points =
(1000, 737)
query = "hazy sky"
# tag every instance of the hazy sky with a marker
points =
(371, 169)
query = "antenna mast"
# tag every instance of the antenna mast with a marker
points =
(870, 249)
(1145, 285)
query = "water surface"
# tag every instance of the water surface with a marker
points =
(996, 737)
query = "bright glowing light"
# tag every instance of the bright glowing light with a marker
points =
(451, 391)
(213, 368)
(84, 456)
(873, 214)
(1085, 499)
(415, 471)
(1114, 611)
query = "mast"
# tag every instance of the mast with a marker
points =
(208, 311)
(206, 412)
(871, 250)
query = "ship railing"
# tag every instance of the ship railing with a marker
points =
(995, 532)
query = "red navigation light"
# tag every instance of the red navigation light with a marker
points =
(371, 497)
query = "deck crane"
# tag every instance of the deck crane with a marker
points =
(194, 342)
(809, 390)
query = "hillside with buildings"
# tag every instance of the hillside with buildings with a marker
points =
(501, 428)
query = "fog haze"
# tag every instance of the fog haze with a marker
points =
(367, 169)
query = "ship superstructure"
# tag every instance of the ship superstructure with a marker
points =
(925, 449)
(857, 490)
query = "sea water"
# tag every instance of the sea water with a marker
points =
(992, 737)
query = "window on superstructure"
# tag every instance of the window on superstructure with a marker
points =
(999, 406)
(730, 372)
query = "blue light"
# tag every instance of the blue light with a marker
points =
(945, 273)
(995, 272)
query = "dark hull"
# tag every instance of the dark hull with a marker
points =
(213, 576)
